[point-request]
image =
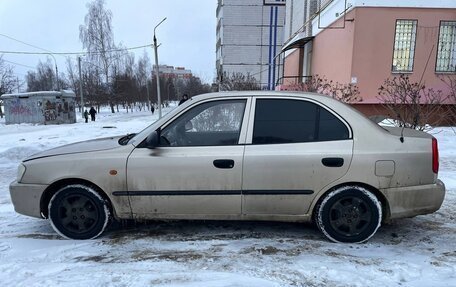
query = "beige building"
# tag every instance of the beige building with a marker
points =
(366, 42)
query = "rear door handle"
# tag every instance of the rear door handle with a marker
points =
(224, 163)
(332, 161)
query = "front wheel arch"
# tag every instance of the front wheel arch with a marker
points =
(78, 212)
(56, 186)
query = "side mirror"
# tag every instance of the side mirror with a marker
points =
(153, 140)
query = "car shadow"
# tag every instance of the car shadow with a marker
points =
(196, 230)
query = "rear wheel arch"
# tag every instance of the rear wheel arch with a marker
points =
(378, 194)
(56, 186)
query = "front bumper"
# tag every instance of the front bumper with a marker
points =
(414, 200)
(26, 198)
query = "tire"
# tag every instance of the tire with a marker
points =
(78, 212)
(349, 214)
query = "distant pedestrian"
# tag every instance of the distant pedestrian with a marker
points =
(152, 109)
(86, 116)
(184, 98)
(92, 113)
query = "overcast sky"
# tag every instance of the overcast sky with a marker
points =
(187, 37)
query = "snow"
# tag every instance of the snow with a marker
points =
(418, 251)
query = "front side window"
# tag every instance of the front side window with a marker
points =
(446, 51)
(293, 121)
(404, 45)
(209, 124)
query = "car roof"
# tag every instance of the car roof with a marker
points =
(307, 95)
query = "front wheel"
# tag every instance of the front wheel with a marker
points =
(349, 214)
(78, 212)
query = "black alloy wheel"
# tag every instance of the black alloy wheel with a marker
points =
(349, 214)
(78, 212)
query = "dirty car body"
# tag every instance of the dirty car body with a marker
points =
(274, 156)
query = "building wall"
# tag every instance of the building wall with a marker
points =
(332, 55)
(291, 67)
(374, 43)
(249, 35)
(360, 49)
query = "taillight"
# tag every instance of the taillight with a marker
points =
(435, 156)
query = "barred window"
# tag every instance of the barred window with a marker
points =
(404, 45)
(446, 53)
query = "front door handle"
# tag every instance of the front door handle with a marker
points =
(332, 161)
(224, 163)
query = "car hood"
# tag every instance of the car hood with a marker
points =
(79, 147)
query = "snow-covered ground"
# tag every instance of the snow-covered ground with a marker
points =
(420, 251)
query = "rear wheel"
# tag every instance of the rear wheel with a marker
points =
(78, 212)
(349, 214)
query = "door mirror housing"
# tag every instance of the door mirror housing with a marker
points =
(153, 140)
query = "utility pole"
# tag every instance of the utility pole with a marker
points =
(17, 81)
(80, 87)
(157, 74)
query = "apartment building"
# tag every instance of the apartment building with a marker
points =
(365, 42)
(171, 72)
(249, 37)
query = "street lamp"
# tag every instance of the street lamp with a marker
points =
(157, 76)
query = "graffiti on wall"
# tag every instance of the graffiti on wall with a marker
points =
(45, 109)
(49, 111)
(20, 109)
(60, 111)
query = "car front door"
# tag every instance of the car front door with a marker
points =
(294, 148)
(196, 171)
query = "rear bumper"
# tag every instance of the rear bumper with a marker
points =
(26, 198)
(414, 200)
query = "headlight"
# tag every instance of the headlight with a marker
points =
(20, 172)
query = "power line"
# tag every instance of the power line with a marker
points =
(76, 53)
(22, 42)
(14, 63)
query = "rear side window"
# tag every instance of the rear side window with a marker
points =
(293, 121)
(331, 128)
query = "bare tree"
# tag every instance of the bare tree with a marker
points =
(7, 80)
(142, 72)
(72, 75)
(193, 86)
(347, 93)
(97, 37)
(411, 104)
(170, 90)
(450, 82)
(238, 82)
(42, 79)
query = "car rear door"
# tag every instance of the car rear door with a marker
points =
(197, 169)
(294, 148)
